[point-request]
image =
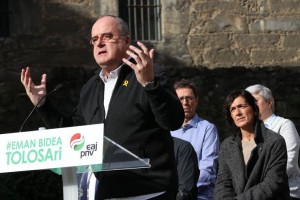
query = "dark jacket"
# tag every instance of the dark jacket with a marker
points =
(265, 175)
(187, 168)
(138, 119)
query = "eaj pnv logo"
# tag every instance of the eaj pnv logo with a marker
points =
(77, 141)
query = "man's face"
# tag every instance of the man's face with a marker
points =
(109, 44)
(265, 106)
(189, 102)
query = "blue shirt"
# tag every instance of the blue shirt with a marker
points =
(203, 136)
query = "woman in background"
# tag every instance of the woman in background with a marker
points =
(252, 161)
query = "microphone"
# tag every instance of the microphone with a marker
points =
(58, 87)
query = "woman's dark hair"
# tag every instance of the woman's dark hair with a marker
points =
(249, 99)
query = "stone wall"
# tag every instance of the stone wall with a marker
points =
(196, 33)
(232, 33)
(221, 45)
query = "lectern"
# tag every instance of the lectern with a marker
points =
(66, 152)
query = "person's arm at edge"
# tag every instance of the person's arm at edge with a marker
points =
(208, 163)
(289, 132)
(165, 104)
(187, 168)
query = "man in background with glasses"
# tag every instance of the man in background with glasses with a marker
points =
(136, 103)
(202, 134)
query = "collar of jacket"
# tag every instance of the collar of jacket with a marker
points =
(258, 136)
(256, 152)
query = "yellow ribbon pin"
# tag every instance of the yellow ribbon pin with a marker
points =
(125, 83)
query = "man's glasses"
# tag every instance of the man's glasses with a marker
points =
(187, 98)
(104, 37)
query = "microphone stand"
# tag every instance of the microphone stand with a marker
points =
(58, 87)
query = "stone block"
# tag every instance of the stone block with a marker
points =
(211, 8)
(273, 57)
(225, 23)
(264, 40)
(284, 7)
(282, 24)
(224, 57)
(291, 41)
(208, 41)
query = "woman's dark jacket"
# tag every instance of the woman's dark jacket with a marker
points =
(139, 119)
(265, 175)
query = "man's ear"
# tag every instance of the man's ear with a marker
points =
(197, 100)
(127, 40)
(270, 103)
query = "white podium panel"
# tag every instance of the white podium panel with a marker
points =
(66, 151)
(52, 148)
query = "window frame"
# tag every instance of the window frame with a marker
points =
(143, 18)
